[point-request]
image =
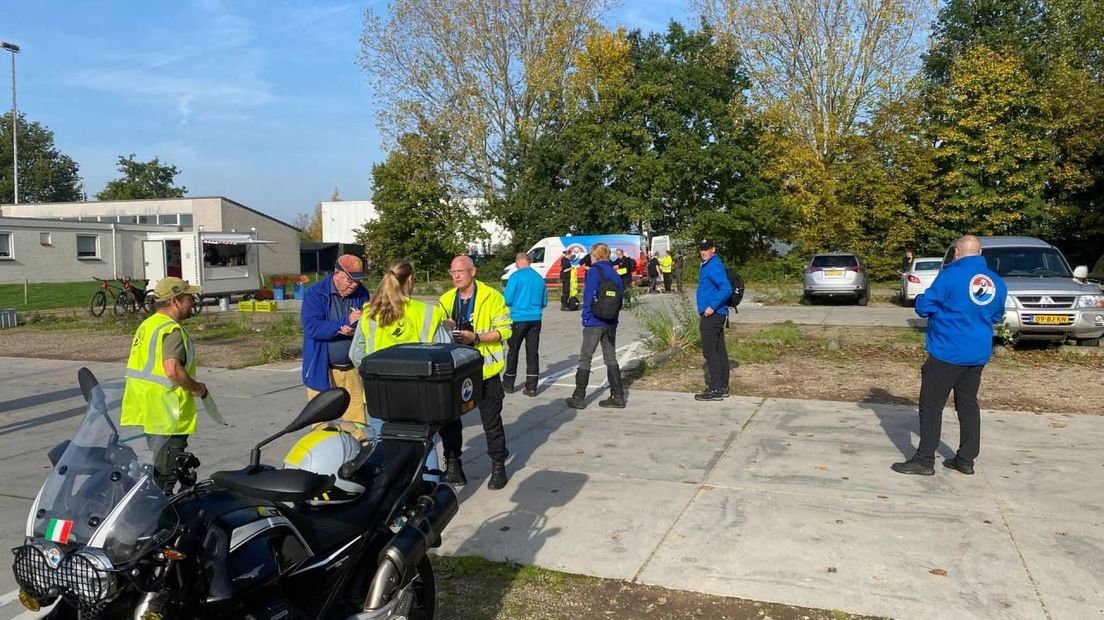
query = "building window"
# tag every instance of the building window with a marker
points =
(147, 219)
(128, 219)
(44, 238)
(169, 219)
(88, 246)
(6, 246)
(186, 220)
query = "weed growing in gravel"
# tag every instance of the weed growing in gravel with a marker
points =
(786, 334)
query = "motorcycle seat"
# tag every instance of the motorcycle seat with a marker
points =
(278, 485)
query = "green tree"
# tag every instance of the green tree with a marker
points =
(310, 224)
(659, 137)
(418, 219)
(45, 173)
(142, 179)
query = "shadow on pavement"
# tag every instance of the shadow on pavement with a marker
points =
(896, 423)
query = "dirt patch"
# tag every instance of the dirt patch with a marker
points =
(222, 340)
(879, 364)
(473, 588)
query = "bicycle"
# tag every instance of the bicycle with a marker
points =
(132, 299)
(127, 298)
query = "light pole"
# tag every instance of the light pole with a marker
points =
(14, 49)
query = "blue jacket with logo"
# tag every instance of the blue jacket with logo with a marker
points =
(961, 306)
(590, 291)
(526, 295)
(714, 289)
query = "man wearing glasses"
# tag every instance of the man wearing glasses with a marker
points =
(477, 316)
(331, 310)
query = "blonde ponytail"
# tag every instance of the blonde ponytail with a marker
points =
(387, 304)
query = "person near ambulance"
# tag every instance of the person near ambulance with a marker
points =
(666, 266)
(161, 388)
(331, 309)
(598, 330)
(625, 267)
(526, 296)
(714, 291)
(566, 270)
(394, 317)
(476, 315)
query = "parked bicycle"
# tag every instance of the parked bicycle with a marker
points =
(126, 298)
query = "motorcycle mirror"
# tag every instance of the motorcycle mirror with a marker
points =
(87, 382)
(324, 407)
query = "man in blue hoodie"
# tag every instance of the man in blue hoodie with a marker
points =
(714, 289)
(330, 312)
(526, 296)
(962, 306)
(602, 279)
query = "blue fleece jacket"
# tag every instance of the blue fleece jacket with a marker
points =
(590, 291)
(526, 295)
(319, 330)
(961, 306)
(714, 289)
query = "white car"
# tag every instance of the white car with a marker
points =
(918, 277)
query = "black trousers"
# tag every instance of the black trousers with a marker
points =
(667, 281)
(715, 351)
(490, 412)
(937, 379)
(528, 331)
(626, 285)
(164, 461)
(565, 293)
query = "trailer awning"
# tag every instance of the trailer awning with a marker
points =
(232, 240)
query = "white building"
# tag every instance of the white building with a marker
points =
(341, 219)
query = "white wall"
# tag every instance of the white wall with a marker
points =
(341, 219)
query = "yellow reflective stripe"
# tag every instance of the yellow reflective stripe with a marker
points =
(151, 357)
(491, 359)
(426, 323)
(371, 348)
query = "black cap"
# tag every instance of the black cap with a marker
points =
(705, 244)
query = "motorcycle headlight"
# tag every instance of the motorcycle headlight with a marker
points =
(1091, 301)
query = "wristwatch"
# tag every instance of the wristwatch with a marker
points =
(475, 338)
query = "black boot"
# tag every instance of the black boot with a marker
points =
(617, 390)
(578, 399)
(454, 472)
(498, 476)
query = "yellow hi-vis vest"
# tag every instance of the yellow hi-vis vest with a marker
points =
(666, 264)
(150, 399)
(489, 313)
(573, 287)
(417, 324)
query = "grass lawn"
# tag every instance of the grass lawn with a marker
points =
(50, 295)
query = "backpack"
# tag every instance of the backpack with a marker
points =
(607, 305)
(737, 287)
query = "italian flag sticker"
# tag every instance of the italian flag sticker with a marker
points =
(58, 531)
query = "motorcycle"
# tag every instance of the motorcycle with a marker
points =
(103, 540)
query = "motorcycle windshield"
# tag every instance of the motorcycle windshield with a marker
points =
(102, 493)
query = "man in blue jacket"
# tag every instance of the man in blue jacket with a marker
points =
(962, 306)
(526, 296)
(714, 289)
(331, 309)
(598, 330)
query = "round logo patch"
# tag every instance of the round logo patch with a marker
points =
(466, 390)
(982, 289)
(53, 557)
(576, 252)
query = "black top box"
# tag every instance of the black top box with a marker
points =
(423, 383)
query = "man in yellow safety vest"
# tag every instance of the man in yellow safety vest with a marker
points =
(160, 377)
(477, 316)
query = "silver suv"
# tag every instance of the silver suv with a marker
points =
(836, 274)
(1046, 301)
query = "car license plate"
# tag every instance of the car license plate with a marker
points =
(833, 273)
(1049, 319)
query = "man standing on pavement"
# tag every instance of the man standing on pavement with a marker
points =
(680, 266)
(962, 306)
(477, 316)
(526, 297)
(160, 387)
(565, 280)
(330, 312)
(666, 265)
(625, 267)
(714, 291)
(653, 272)
(601, 280)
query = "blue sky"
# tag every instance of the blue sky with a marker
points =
(261, 102)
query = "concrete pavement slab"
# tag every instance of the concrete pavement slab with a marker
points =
(594, 524)
(857, 556)
(1065, 557)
